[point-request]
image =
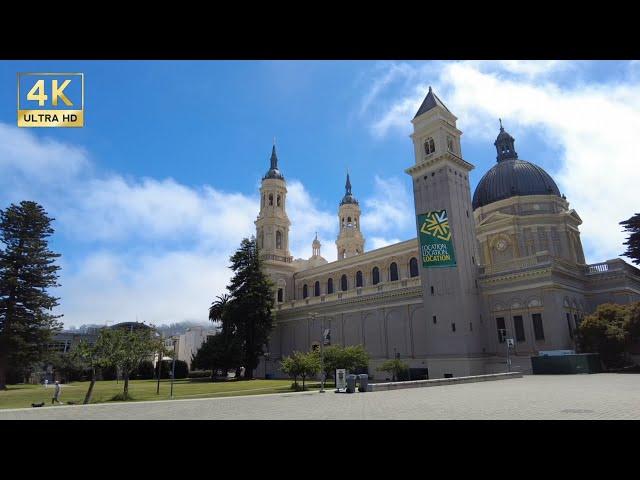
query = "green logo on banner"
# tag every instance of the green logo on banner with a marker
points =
(436, 242)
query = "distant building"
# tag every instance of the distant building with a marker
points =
(187, 344)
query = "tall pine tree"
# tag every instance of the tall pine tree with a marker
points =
(249, 310)
(632, 226)
(27, 270)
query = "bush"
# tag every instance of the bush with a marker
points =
(182, 369)
(108, 373)
(15, 375)
(396, 367)
(200, 374)
(145, 371)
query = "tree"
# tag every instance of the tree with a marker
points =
(93, 357)
(632, 322)
(632, 225)
(395, 366)
(351, 358)
(246, 314)
(218, 352)
(311, 365)
(126, 349)
(27, 270)
(603, 332)
(218, 307)
(293, 366)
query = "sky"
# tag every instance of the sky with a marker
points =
(155, 192)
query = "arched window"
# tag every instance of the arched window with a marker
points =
(413, 267)
(429, 146)
(330, 286)
(278, 239)
(393, 272)
(278, 200)
(375, 275)
(316, 289)
(280, 295)
(305, 291)
(358, 278)
(264, 198)
(343, 283)
(261, 241)
(348, 220)
(271, 199)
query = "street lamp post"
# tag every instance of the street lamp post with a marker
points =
(173, 367)
(159, 369)
(266, 359)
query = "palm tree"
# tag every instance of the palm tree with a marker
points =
(218, 307)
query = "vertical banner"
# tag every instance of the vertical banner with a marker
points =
(436, 241)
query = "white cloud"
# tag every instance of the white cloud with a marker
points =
(378, 242)
(594, 125)
(162, 288)
(22, 154)
(307, 219)
(390, 210)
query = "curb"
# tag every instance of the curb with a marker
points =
(377, 387)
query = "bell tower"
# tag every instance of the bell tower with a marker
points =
(450, 294)
(272, 225)
(350, 241)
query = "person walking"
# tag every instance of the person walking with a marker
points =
(46, 382)
(56, 393)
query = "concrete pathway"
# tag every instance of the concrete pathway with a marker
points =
(599, 396)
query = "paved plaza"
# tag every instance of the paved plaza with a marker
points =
(599, 396)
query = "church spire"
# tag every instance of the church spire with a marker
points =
(505, 145)
(429, 102)
(348, 197)
(273, 170)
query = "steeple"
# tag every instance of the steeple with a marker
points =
(272, 225)
(350, 241)
(348, 197)
(505, 145)
(429, 102)
(273, 171)
(315, 246)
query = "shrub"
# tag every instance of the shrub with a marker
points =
(396, 367)
(108, 373)
(145, 371)
(182, 369)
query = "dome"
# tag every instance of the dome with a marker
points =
(511, 177)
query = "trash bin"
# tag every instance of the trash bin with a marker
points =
(351, 383)
(364, 381)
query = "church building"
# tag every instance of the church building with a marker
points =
(503, 263)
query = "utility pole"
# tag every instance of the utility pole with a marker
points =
(173, 368)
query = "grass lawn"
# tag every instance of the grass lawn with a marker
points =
(19, 396)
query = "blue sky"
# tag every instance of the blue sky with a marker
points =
(157, 189)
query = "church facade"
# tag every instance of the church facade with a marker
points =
(516, 270)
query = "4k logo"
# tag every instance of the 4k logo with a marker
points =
(50, 100)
